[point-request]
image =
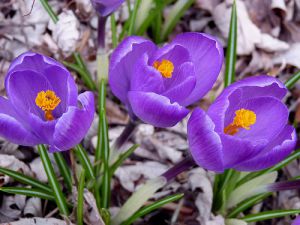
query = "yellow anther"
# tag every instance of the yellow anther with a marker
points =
(47, 101)
(244, 118)
(165, 67)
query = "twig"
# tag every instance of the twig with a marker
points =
(30, 9)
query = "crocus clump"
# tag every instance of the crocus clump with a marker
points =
(245, 128)
(106, 7)
(156, 84)
(43, 106)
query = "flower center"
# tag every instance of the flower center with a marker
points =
(47, 101)
(165, 67)
(244, 118)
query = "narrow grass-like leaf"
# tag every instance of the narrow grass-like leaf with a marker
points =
(85, 161)
(283, 163)
(49, 10)
(57, 192)
(101, 106)
(114, 30)
(80, 198)
(269, 215)
(220, 195)
(25, 179)
(133, 17)
(31, 192)
(231, 48)
(85, 74)
(105, 186)
(156, 205)
(292, 81)
(246, 204)
(122, 158)
(64, 169)
(174, 15)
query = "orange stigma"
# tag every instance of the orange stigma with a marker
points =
(165, 67)
(47, 101)
(244, 118)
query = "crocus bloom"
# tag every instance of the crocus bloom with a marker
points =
(106, 7)
(245, 128)
(156, 84)
(43, 106)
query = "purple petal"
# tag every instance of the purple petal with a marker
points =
(58, 76)
(251, 87)
(146, 78)
(177, 54)
(296, 221)
(268, 124)
(184, 82)
(207, 55)
(205, 144)
(22, 88)
(277, 150)
(73, 125)
(13, 130)
(156, 109)
(236, 150)
(106, 7)
(121, 64)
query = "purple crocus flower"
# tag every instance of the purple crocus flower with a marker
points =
(156, 84)
(245, 128)
(106, 7)
(43, 106)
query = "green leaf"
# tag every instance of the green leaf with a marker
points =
(49, 10)
(269, 215)
(176, 12)
(156, 205)
(292, 81)
(133, 17)
(31, 192)
(64, 169)
(114, 30)
(26, 179)
(231, 48)
(283, 163)
(52, 179)
(122, 158)
(251, 188)
(85, 161)
(80, 198)
(105, 186)
(85, 74)
(246, 204)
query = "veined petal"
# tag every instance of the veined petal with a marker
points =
(236, 150)
(258, 86)
(156, 109)
(205, 144)
(278, 149)
(183, 84)
(122, 64)
(72, 126)
(58, 76)
(296, 221)
(12, 129)
(207, 55)
(146, 78)
(105, 7)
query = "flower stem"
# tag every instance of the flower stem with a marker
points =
(52, 179)
(101, 33)
(284, 185)
(180, 167)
